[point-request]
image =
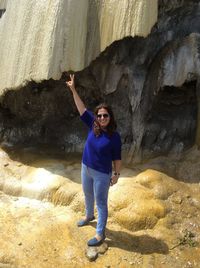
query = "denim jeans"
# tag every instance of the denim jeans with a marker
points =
(95, 187)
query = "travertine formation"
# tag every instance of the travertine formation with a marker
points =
(3, 4)
(41, 39)
(114, 19)
(149, 215)
(152, 82)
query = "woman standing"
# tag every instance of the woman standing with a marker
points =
(102, 148)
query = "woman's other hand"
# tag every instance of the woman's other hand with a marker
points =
(114, 180)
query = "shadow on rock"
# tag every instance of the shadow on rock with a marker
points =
(143, 244)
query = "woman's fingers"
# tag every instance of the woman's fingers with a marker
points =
(72, 77)
(113, 180)
(70, 83)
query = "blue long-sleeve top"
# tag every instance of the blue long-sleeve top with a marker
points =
(99, 152)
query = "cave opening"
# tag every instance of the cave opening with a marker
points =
(172, 122)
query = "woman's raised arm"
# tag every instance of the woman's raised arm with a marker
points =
(79, 103)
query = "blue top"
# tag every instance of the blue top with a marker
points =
(99, 152)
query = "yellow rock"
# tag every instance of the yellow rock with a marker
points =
(161, 185)
(134, 206)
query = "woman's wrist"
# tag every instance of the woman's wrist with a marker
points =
(116, 174)
(73, 89)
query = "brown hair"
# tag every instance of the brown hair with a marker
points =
(112, 124)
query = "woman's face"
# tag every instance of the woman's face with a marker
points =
(103, 117)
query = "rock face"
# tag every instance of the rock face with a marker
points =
(51, 37)
(3, 4)
(151, 82)
(113, 20)
(134, 206)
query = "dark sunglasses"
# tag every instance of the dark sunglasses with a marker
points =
(103, 115)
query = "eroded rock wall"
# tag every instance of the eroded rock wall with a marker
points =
(151, 82)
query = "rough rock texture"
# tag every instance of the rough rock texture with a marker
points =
(92, 253)
(152, 84)
(154, 219)
(40, 40)
(134, 206)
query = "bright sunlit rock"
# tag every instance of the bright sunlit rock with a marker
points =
(41, 39)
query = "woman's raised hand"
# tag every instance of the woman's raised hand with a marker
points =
(71, 83)
(79, 104)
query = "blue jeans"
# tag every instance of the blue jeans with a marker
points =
(95, 187)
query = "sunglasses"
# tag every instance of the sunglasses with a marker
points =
(103, 115)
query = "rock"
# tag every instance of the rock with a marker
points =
(150, 83)
(96, 20)
(93, 252)
(176, 199)
(46, 235)
(134, 206)
(103, 248)
(195, 203)
(6, 265)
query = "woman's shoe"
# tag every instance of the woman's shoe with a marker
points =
(84, 222)
(94, 242)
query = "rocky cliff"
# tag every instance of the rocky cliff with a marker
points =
(152, 83)
(40, 40)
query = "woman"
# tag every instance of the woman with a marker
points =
(103, 146)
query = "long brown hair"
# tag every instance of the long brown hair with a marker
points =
(112, 124)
